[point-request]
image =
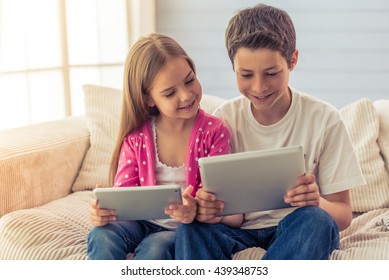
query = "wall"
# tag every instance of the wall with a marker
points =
(343, 45)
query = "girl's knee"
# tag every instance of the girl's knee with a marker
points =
(101, 235)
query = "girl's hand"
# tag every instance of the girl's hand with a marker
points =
(208, 207)
(306, 192)
(100, 217)
(186, 212)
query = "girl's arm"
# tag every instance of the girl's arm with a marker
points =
(127, 173)
(98, 216)
(185, 212)
(208, 207)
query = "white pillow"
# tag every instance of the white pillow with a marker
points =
(102, 112)
(362, 122)
(210, 102)
(382, 107)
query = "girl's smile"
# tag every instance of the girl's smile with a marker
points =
(189, 106)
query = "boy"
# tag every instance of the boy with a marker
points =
(261, 44)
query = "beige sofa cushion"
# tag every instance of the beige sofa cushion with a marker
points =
(28, 155)
(54, 231)
(382, 107)
(102, 109)
(362, 122)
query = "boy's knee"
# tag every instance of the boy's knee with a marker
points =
(193, 229)
(315, 217)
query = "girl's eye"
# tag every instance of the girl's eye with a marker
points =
(190, 81)
(170, 94)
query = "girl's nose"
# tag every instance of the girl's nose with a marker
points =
(185, 94)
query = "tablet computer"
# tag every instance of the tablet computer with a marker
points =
(253, 181)
(139, 203)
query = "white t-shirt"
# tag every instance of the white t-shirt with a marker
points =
(309, 122)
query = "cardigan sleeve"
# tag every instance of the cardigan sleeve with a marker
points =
(128, 171)
(211, 137)
(136, 165)
(220, 144)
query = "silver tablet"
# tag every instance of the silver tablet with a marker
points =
(253, 181)
(139, 203)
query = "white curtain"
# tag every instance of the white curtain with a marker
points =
(50, 48)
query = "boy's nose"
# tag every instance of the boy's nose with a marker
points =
(258, 85)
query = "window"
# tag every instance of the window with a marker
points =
(50, 48)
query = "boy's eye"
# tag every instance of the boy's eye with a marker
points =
(246, 76)
(273, 74)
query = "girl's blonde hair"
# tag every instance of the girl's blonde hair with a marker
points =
(144, 61)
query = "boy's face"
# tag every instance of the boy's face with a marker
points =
(262, 76)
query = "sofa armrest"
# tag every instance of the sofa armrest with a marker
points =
(39, 163)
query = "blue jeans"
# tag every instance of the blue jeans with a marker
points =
(306, 233)
(115, 240)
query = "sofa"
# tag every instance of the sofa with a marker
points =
(48, 172)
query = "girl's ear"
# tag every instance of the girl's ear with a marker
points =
(150, 101)
(294, 59)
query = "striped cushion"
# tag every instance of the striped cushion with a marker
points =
(56, 230)
(366, 239)
(362, 122)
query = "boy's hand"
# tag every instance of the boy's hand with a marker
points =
(185, 212)
(306, 192)
(208, 207)
(100, 217)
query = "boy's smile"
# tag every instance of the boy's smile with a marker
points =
(262, 76)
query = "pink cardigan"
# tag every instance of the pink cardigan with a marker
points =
(136, 167)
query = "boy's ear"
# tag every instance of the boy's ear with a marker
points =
(294, 59)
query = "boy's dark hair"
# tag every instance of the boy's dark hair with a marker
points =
(261, 26)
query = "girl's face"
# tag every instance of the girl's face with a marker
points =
(175, 91)
(262, 76)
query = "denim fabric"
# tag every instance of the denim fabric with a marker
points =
(115, 240)
(306, 233)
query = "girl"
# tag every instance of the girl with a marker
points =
(162, 134)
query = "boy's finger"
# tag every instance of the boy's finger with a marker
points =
(203, 195)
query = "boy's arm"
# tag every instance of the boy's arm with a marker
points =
(339, 207)
(233, 221)
(306, 193)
